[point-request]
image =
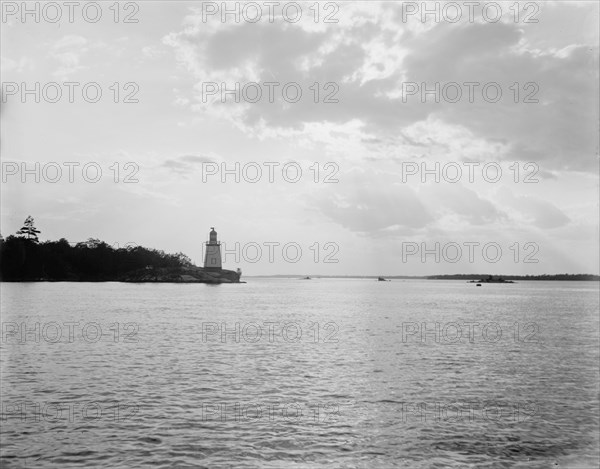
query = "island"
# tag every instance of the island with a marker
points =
(23, 258)
(490, 279)
(508, 278)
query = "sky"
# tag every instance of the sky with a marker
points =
(331, 138)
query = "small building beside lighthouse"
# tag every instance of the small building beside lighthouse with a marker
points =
(212, 258)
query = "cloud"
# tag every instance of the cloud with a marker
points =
(372, 209)
(458, 200)
(152, 52)
(371, 60)
(540, 213)
(67, 51)
(186, 164)
(20, 65)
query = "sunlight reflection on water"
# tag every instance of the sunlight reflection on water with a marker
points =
(282, 372)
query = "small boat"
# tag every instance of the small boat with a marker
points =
(381, 279)
(306, 278)
(478, 285)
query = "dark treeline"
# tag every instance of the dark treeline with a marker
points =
(517, 277)
(23, 259)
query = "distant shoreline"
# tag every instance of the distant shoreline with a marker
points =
(466, 277)
(470, 279)
(461, 277)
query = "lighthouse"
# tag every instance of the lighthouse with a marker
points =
(212, 259)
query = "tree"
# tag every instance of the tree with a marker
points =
(184, 260)
(91, 243)
(28, 230)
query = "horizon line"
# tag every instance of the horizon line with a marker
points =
(429, 276)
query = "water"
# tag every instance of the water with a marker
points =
(360, 388)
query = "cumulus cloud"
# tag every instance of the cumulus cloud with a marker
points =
(67, 51)
(372, 60)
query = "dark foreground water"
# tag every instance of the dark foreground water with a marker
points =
(292, 373)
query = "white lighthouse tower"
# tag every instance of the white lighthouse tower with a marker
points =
(212, 259)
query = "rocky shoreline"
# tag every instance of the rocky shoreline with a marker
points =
(181, 275)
